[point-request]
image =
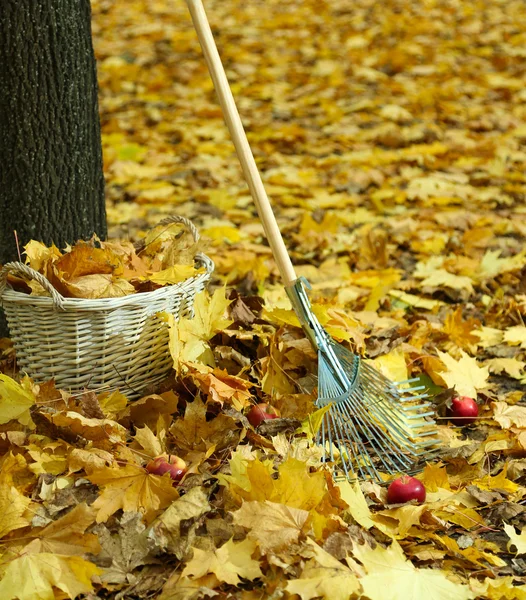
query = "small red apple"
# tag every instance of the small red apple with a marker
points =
(261, 412)
(167, 464)
(464, 410)
(404, 489)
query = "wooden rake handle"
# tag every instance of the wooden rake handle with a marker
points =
(244, 153)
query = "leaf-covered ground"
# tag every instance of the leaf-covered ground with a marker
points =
(391, 137)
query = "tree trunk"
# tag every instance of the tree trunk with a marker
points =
(51, 179)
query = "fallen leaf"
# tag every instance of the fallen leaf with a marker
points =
(195, 432)
(132, 489)
(228, 563)
(517, 540)
(464, 375)
(324, 576)
(70, 574)
(272, 526)
(15, 402)
(406, 581)
(508, 416)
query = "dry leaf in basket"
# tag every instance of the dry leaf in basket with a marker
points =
(117, 268)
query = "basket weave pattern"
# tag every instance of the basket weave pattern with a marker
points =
(101, 344)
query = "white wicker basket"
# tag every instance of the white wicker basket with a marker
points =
(101, 344)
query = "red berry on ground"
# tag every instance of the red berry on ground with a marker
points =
(261, 412)
(463, 411)
(405, 489)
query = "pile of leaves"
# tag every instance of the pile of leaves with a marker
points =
(110, 269)
(258, 513)
(391, 140)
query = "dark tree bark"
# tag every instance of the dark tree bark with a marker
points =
(51, 178)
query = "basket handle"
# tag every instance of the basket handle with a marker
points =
(18, 268)
(202, 259)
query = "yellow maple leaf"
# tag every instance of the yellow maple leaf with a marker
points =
(503, 588)
(112, 403)
(15, 402)
(461, 331)
(295, 487)
(101, 431)
(443, 278)
(131, 488)
(405, 580)
(148, 441)
(312, 423)
(498, 482)
(189, 337)
(271, 525)
(352, 494)
(67, 535)
(392, 365)
(52, 459)
(324, 577)
(228, 563)
(464, 375)
(492, 265)
(398, 521)
(415, 301)
(174, 274)
(434, 477)
(38, 255)
(508, 416)
(33, 576)
(13, 505)
(513, 367)
(488, 336)
(516, 335)
(517, 540)
(89, 459)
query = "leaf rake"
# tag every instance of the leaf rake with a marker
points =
(373, 425)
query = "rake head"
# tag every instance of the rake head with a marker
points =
(373, 425)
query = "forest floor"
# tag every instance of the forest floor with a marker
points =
(391, 137)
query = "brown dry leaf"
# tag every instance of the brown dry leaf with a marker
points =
(221, 387)
(98, 286)
(194, 432)
(146, 410)
(102, 432)
(460, 331)
(166, 531)
(89, 459)
(127, 549)
(132, 489)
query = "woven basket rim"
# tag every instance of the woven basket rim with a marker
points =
(101, 304)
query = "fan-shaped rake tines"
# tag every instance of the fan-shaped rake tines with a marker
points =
(373, 425)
